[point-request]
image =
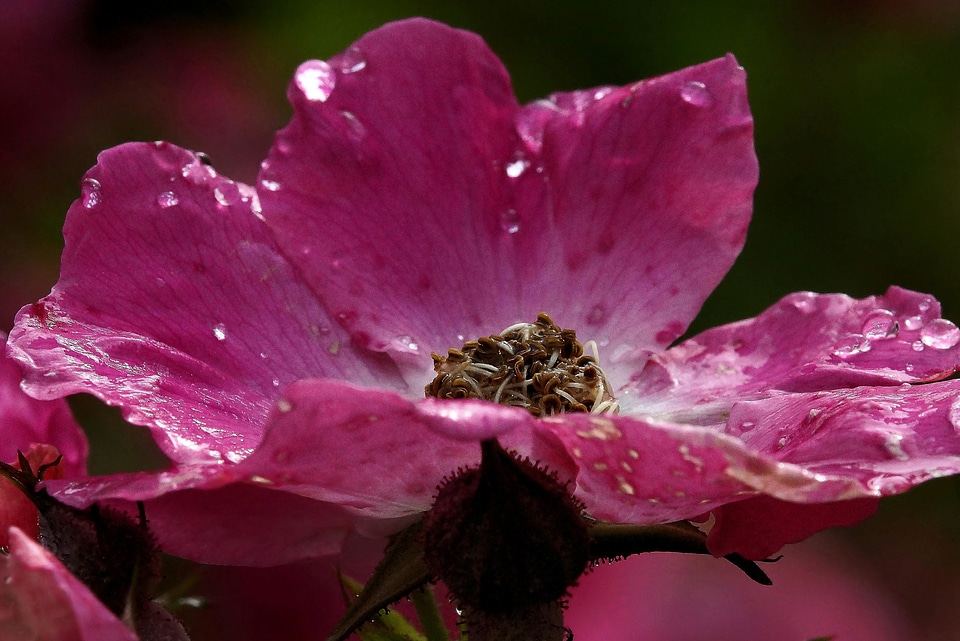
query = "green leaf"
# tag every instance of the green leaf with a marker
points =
(401, 571)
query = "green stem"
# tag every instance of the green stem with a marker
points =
(429, 612)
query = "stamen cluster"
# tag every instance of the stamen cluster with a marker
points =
(537, 366)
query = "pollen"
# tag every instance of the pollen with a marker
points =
(537, 366)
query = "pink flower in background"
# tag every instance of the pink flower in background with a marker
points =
(42, 430)
(39, 598)
(277, 339)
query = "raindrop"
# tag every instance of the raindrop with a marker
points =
(316, 79)
(954, 415)
(696, 94)
(516, 168)
(880, 325)
(940, 334)
(270, 185)
(227, 193)
(510, 221)
(851, 345)
(220, 332)
(913, 323)
(357, 130)
(408, 343)
(276, 382)
(352, 60)
(197, 172)
(917, 346)
(90, 192)
(167, 199)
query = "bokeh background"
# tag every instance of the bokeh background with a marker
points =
(857, 110)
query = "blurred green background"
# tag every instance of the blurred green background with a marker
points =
(857, 110)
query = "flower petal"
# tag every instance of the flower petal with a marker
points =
(42, 600)
(445, 212)
(804, 342)
(811, 447)
(759, 526)
(175, 303)
(25, 421)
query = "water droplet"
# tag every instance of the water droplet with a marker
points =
(270, 185)
(352, 60)
(596, 315)
(924, 305)
(805, 302)
(917, 346)
(407, 343)
(316, 79)
(276, 382)
(197, 172)
(940, 334)
(516, 168)
(510, 221)
(954, 415)
(167, 199)
(913, 323)
(227, 193)
(90, 192)
(894, 445)
(851, 345)
(220, 332)
(880, 325)
(696, 94)
(356, 129)
(284, 406)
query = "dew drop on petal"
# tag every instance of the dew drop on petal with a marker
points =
(220, 332)
(284, 405)
(196, 172)
(227, 193)
(917, 346)
(167, 199)
(516, 168)
(880, 325)
(270, 185)
(510, 221)
(851, 345)
(352, 60)
(696, 94)
(954, 415)
(940, 334)
(913, 323)
(407, 343)
(316, 79)
(90, 192)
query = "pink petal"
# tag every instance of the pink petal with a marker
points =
(804, 342)
(25, 421)
(42, 600)
(375, 453)
(811, 447)
(758, 527)
(197, 510)
(175, 303)
(428, 207)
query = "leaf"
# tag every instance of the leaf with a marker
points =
(401, 571)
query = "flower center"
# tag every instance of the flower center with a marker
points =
(536, 366)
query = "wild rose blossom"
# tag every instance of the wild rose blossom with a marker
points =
(39, 598)
(276, 338)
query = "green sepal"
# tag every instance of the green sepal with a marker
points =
(401, 571)
(617, 540)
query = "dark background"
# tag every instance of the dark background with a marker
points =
(857, 110)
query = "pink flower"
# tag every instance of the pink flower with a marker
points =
(39, 598)
(277, 339)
